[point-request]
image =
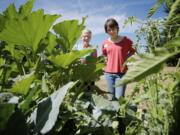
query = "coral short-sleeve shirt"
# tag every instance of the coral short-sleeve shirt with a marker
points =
(117, 53)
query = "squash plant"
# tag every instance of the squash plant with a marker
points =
(37, 68)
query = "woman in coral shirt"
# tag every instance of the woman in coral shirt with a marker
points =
(117, 49)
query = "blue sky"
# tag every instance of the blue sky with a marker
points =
(98, 11)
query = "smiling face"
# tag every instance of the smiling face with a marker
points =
(86, 36)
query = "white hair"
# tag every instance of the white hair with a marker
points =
(86, 31)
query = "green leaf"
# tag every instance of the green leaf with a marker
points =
(10, 12)
(69, 32)
(6, 110)
(129, 20)
(25, 104)
(2, 22)
(45, 115)
(104, 104)
(23, 83)
(15, 53)
(173, 12)
(148, 64)
(28, 31)
(64, 60)
(2, 61)
(26, 8)
(52, 42)
(155, 7)
(87, 72)
(173, 43)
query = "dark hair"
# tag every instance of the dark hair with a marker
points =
(111, 23)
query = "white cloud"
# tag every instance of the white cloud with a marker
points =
(94, 22)
(96, 16)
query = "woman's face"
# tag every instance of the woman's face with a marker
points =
(86, 37)
(112, 32)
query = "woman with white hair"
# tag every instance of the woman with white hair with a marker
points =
(86, 38)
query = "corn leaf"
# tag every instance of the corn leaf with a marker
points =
(155, 7)
(148, 63)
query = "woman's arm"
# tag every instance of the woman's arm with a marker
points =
(131, 51)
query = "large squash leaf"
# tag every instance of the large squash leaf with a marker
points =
(11, 12)
(6, 111)
(64, 60)
(28, 31)
(22, 84)
(2, 22)
(45, 115)
(148, 63)
(51, 42)
(69, 32)
(88, 72)
(26, 9)
(25, 104)
(15, 53)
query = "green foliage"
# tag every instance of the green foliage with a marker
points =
(143, 68)
(159, 103)
(29, 31)
(148, 64)
(101, 103)
(46, 113)
(173, 21)
(11, 12)
(6, 110)
(26, 9)
(25, 104)
(34, 66)
(51, 42)
(22, 84)
(87, 72)
(64, 60)
(130, 20)
(2, 22)
(150, 31)
(155, 7)
(37, 66)
(69, 31)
